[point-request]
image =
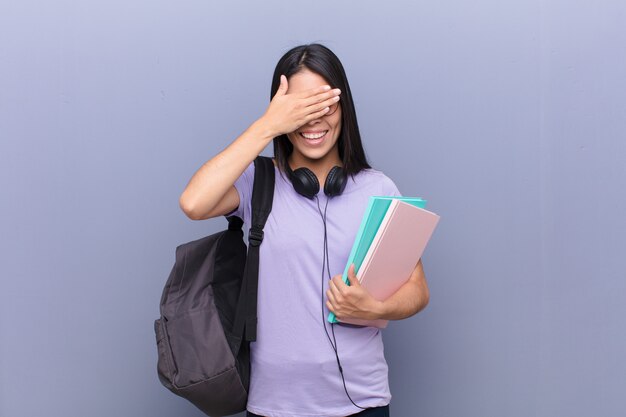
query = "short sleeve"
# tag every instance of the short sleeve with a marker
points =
(389, 188)
(243, 185)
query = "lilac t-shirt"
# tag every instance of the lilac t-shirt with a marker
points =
(294, 371)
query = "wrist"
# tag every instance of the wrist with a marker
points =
(260, 129)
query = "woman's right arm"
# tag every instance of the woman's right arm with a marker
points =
(211, 192)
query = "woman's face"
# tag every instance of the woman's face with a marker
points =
(307, 145)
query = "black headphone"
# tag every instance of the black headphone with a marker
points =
(305, 182)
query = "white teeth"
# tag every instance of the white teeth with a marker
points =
(313, 135)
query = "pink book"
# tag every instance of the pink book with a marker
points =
(394, 252)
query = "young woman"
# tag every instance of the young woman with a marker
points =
(301, 365)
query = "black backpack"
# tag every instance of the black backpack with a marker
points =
(208, 310)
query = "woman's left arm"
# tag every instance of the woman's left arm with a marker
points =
(354, 301)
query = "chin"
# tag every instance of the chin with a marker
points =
(315, 152)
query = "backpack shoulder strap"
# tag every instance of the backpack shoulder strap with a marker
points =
(262, 197)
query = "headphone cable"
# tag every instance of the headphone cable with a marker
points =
(325, 262)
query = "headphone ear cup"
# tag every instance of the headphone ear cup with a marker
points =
(305, 182)
(335, 182)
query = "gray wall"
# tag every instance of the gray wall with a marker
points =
(509, 117)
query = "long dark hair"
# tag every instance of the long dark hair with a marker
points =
(322, 61)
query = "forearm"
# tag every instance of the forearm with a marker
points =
(411, 298)
(209, 184)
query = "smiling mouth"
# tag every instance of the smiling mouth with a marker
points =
(313, 137)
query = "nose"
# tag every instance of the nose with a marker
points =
(314, 121)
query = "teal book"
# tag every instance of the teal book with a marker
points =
(372, 218)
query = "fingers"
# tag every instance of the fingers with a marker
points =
(332, 301)
(333, 309)
(338, 287)
(282, 88)
(322, 100)
(320, 109)
(320, 97)
(316, 115)
(333, 292)
(323, 105)
(312, 91)
(331, 297)
(352, 276)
